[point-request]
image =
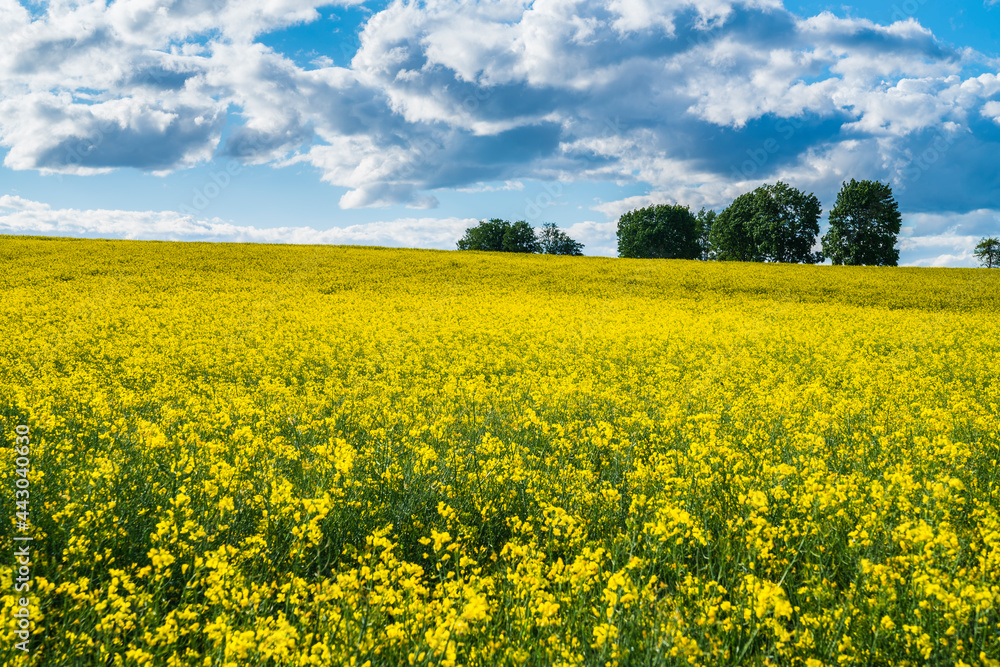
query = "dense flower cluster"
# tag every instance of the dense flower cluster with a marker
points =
(263, 455)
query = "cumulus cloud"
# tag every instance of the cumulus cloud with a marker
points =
(482, 187)
(696, 101)
(88, 87)
(983, 222)
(598, 238)
(945, 239)
(24, 216)
(939, 250)
(47, 133)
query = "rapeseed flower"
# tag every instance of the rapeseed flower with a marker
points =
(347, 456)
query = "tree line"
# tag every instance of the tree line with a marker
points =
(774, 223)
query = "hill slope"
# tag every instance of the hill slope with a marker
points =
(244, 454)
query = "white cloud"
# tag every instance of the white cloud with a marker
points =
(615, 209)
(16, 203)
(598, 238)
(508, 186)
(939, 250)
(159, 21)
(447, 94)
(48, 132)
(23, 216)
(974, 224)
(991, 110)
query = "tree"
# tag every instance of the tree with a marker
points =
(864, 225)
(988, 252)
(662, 231)
(500, 236)
(554, 241)
(703, 227)
(774, 223)
(730, 237)
(487, 235)
(520, 237)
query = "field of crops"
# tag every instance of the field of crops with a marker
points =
(301, 455)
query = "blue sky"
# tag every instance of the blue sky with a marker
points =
(402, 123)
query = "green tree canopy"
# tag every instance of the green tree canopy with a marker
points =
(500, 236)
(662, 231)
(864, 225)
(774, 223)
(988, 252)
(487, 235)
(554, 241)
(520, 237)
(703, 227)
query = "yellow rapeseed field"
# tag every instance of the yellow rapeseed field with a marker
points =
(301, 455)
